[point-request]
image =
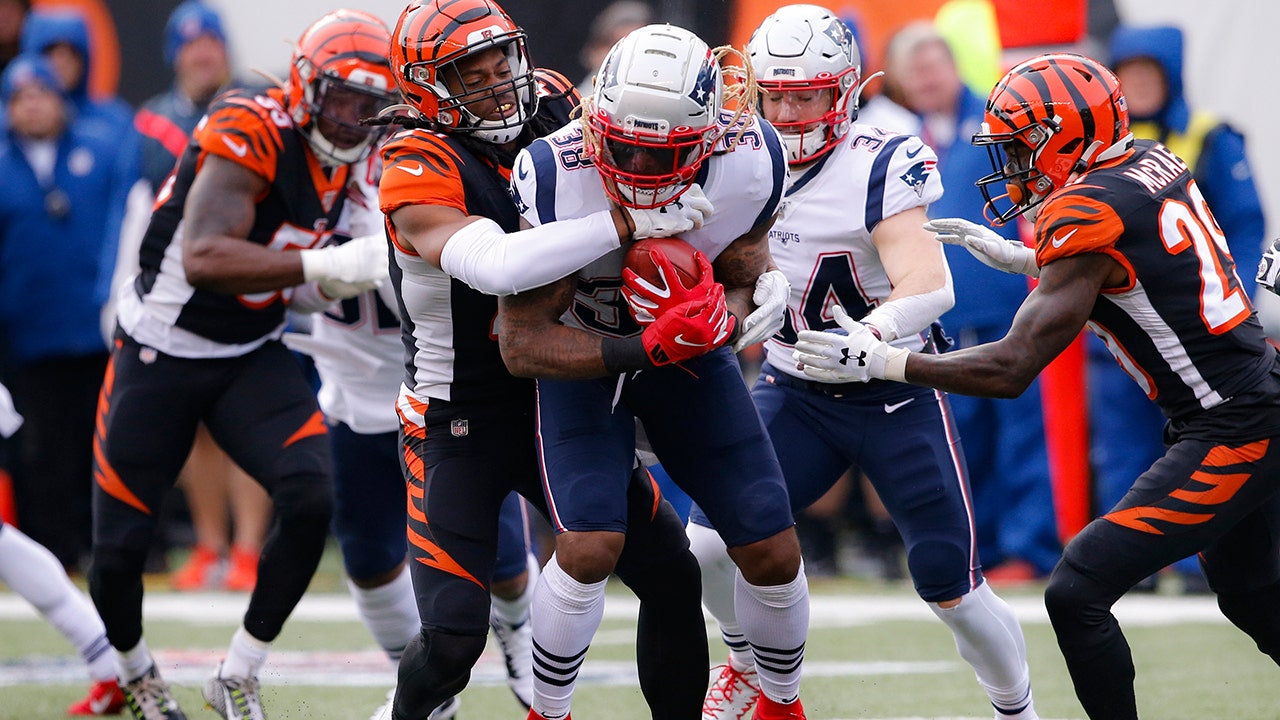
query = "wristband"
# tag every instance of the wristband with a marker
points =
(622, 355)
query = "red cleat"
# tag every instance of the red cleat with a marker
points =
(533, 715)
(767, 709)
(105, 698)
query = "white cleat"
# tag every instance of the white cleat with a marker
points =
(731, 695)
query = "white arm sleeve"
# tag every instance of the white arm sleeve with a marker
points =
(499, 263)
(911, 314)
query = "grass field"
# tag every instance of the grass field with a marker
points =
(874, 651)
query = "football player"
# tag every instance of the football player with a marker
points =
(467, 425)
(239, 234)
(359, 357)
(654, 127)
(1126, 245)
(852, 236)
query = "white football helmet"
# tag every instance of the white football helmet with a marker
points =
(654, 114)
(807, 47)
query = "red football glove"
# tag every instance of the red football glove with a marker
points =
(650, 301)
(690, 329)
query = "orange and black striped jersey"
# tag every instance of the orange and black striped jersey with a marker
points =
(451, 349)
(302, 208)
(1183, 327)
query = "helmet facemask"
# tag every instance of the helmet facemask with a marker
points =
(447, 89)
(335, 108)
(1014, 158)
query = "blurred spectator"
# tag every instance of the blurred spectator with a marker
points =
(1126, 428)
(195, 46)
(12, 15)
(60, 214)
(1004, 440)
(611, 25)
(62, 36)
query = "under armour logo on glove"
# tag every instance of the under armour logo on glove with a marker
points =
(825, 356)
(845, 359)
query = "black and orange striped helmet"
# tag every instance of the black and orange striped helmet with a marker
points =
(338, 76)
(434, 54)
(1066, 112)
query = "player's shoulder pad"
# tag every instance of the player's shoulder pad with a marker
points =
(1076, 220)
(246, 128)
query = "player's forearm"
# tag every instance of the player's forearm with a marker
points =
(234, 266)
(555, 353)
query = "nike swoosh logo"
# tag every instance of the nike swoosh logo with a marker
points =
(917, 152)
(1057, 241)
(896, 406)
(522, 170)
(99, 705)
(239, 148)
(412, 171)
(681, 341)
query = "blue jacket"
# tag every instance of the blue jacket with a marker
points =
(985, 298)
(43, 28)
(55, 273)
(1213, 150)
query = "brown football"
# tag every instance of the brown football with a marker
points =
(679, 252)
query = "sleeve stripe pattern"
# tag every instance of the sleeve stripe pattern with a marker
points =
(876, 183)
(545, 168)
(779, 158)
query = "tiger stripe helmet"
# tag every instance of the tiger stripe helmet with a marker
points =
(1068, 109)
(337, 77)
(430, 39)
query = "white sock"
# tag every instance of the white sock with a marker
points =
(566, 615)
(989, 639)
(718, 573)
(245, 657)
(30, 570)
(515, 612)
(775, 620)
(390, 612)
(132, 663)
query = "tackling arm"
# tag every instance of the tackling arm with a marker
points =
(536, 344)
(218, 216)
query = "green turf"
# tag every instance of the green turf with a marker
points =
(1185, 672)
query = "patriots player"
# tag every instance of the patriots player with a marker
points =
(851, 237)
(653, 126)
(1127, 246)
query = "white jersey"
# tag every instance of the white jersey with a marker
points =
(356, 343)
(744, 179)
(822, 242)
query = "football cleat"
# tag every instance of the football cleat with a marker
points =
(731, 695)
(148, 698)
(767, 709)
(534, 715)
(199, 572)
(516, 642)
(447, 710)
(234, 698)
(105, 698)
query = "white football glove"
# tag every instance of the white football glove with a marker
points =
(986, 245)
(685, 213)
(857, 357)
(770, 297)
(1269, 268)
(358, 261)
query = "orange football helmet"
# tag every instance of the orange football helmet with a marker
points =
(1065, 113)
(338, 77)
(430, 40)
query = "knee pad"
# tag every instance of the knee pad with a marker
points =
(305, 499)
(939, 570)
(435, 666)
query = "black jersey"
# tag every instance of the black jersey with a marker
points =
(302, 207)
(1184, 327)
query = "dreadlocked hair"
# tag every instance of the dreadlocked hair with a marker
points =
(742, 94)
(538, 125)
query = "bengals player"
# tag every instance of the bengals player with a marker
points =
(1127, 246)
(474, 100)
(242, 229)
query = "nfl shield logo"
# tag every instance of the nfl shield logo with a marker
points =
(458, 427)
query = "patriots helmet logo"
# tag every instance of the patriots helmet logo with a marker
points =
(705, 84)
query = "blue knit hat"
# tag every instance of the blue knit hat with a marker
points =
(25, 70)
(189, 21)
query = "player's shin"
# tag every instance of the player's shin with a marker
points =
(989, 638)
